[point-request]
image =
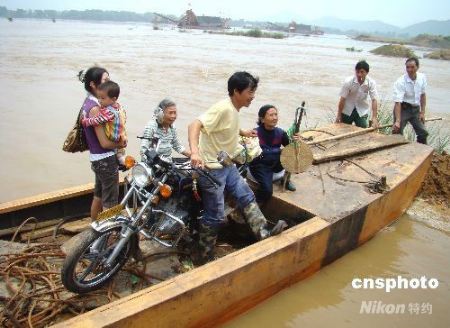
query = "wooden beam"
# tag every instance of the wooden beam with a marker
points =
(357, 133)
(38, 233)
(46, 198)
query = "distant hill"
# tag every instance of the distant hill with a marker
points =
(434, 27)
(352, 25)
(94, 14)
(328, 24)
(429, 27)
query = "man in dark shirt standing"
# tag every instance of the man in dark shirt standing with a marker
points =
(271, 138)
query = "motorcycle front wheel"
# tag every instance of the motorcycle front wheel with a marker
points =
(84, 268)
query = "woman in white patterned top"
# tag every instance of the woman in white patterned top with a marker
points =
(161, 127)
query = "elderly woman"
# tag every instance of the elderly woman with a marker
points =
(161, 127)
(271, 139)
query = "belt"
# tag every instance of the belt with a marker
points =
(406, 105)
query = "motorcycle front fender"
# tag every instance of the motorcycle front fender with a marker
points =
(102, 226)
(118, 222)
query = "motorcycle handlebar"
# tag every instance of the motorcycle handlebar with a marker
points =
(209, 176)
(206, 174)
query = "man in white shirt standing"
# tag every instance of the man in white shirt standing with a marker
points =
(410, 101)
(354, 103)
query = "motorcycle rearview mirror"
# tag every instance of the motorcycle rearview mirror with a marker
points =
(155, 143)
(151, 154)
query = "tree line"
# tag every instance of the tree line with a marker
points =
(92, 14)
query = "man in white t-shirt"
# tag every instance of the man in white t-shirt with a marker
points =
(410, 101)
(355, 94)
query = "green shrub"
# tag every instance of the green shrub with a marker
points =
(393, 50)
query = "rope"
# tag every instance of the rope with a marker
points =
(376, 185)
(32, 218)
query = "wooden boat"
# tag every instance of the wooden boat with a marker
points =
(335, 214)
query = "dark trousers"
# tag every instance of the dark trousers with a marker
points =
(411, 114)
(360, 121)
(106, 180)
(262, 170)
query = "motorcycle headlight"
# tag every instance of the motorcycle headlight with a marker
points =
(142, 175)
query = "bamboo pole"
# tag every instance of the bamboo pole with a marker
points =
(360, 132)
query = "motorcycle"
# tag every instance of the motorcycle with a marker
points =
(161, 203)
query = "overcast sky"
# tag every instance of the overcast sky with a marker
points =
(396, 12)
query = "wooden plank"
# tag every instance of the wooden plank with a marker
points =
(49, 197)
(352, 134)
(38, 233)
(46, 198)
(76, 226)
(329, 130)
(356, 146)
(361, 131)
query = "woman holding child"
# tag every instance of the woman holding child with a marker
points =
(102, 150)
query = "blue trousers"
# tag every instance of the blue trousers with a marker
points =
(214, 198)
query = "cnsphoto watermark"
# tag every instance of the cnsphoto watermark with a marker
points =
(395, 283)
(389, 284)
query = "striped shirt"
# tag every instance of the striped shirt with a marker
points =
(113, 117)
(169, 139)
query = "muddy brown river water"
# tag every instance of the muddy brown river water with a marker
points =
(40, 96)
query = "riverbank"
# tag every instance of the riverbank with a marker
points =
(436, 187)
(397, 47)
(422, 40)
(443, 54)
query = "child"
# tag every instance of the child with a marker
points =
(111, 115)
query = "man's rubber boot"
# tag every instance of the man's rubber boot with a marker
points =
(278, 228)
(258, 222)
(206, 243)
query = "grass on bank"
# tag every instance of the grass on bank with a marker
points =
(254, 33)
(438, 138)
(443, 54)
